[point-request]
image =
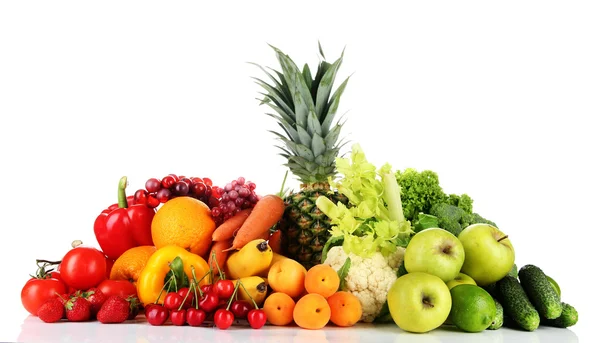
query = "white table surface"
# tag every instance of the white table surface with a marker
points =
(31, 329)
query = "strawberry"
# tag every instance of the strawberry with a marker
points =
(78, 309)
(96, 299)
(52, 310)
(114, 310)
(134, 307)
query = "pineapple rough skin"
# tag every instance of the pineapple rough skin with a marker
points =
(369, 279)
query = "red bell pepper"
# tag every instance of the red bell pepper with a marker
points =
(124, 225)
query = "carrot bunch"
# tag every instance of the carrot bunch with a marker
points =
(248, 225)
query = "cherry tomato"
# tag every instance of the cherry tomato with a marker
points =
(223, 319)
(37, 291)
(83, 267)
(257, 318)
(121, 288)
(240, 308)
(224, 288)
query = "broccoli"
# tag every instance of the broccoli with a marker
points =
(476, 218)
(419, 191)
(451, 218)
(462, 201)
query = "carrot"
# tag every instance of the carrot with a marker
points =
(228, 228)
(266, 213)
(218, 255)
(275, 241)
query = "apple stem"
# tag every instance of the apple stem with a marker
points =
(503, 237)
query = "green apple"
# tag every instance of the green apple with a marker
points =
(461, 279)
(419, 302)
(489, 255)
(434, 251)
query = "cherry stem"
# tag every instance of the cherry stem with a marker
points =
(163, 288)
(194, 280)
(121, 196)
(249, 296)
(186, 296)
(503, 238)
(237, 285)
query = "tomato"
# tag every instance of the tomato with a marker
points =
(123, 288)
(37, 291)
(83, 267)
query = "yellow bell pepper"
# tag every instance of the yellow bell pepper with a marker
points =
(151, 280)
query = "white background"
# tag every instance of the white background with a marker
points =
(500, 99)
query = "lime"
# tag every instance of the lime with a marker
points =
(554, 285)
(473, 308)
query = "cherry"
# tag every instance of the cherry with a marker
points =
(257, 318)
(224, 288)
(223, 319)
(195, 317)
(206, 288)
(209, 302)
(240, 308)
(178, 317)
(189, 298)
(156, 315)
(172, 301)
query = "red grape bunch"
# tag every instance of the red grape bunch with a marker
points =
(223, 202)
(234, 197)
(172, 186)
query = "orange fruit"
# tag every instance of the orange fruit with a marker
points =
(346, 309)
(322, 279)
(312, 312)
(130, 264)
(185, 222)
(279, 308)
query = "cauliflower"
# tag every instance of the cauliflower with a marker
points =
(369, 279)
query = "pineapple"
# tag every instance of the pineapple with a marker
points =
(305, 109)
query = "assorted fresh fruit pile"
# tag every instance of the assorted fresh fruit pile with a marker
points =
(356, 243)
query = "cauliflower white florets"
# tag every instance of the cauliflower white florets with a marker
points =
(369, 279)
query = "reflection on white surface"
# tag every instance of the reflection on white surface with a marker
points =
(34, 330)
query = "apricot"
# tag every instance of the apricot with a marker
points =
(312, 312)
(346, 309)
(322, 279)
(287, 276)
(279, 308)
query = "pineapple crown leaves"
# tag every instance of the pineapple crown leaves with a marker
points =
(305, 108)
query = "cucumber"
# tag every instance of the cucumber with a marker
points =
(568, 317)
(499, 318)
(516, 304)
(540, 291)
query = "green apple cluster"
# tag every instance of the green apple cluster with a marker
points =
(436, 261)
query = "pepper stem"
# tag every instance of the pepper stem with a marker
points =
(121, 196)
